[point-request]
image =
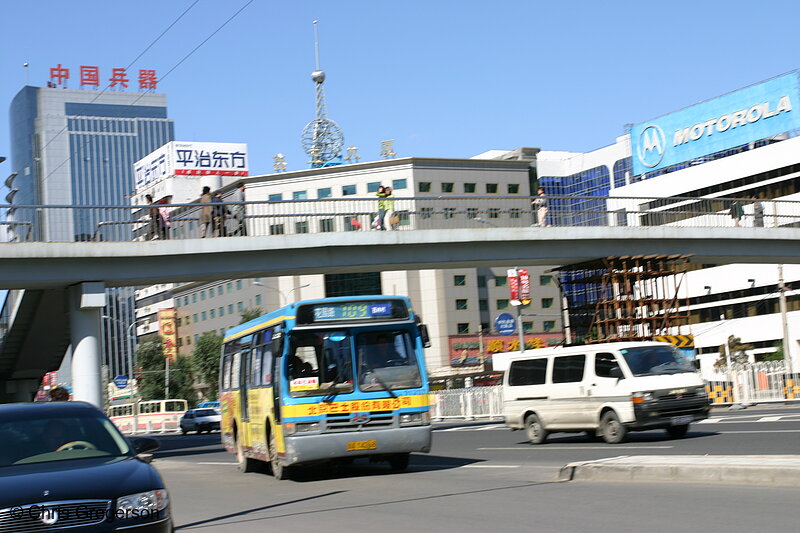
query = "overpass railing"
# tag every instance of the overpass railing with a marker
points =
(66, 223)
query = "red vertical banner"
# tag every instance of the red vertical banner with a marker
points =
(524, 286)
(513, 285)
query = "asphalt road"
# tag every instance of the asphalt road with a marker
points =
(481, 476)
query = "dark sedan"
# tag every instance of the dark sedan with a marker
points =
(65, 467)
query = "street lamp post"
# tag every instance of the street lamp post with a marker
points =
(284, 299)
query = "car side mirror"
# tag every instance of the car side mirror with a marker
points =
(423, 333)
(144, 444)
(616, 372)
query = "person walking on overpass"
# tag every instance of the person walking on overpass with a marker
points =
(205, 213)
(239, 211)
(381, 194)
(390, 219)
(736, 212)
(540, 205)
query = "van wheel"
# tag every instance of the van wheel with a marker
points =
(676, 432)
(278, 470)
(245, 464)
(533, 428)
(613, 430)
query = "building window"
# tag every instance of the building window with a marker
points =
(351, 223)
(195, 318)
(545, 280)
(514, 212)
(276, 197)
(469, 187)
(219, 289)
(494, 212)
(325, 192)
(491, 188)
(513, 188)
(185, 300)
(472, 212)
(348, 190)
(459, 280)
(229, 286)
(203, 296)
(300, 195)
(230, 309)
(549, 325)
(301, 227)
(502, 303)
(258, 299)
(239, 306)
(426, 212)
(211, 292)
(500, 281)
(424, 186)
(187, 320)
(178, 322)
(212, 313)
(547, 302)
(447, 187)
(203, 316)
(449, 212)
(399, 184)
(221, 311)
(463, 328)
(188, 341)
(527, 327)
(196, 336)
(461, 304)
(238, 284)
(194, 298)
(373, 186)
(326, 225)
(483, 305)
(481, 281)
(276, 229)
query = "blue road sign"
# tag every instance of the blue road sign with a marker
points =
(121, 381)
(505, 324)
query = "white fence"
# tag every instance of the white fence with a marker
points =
(747, 384)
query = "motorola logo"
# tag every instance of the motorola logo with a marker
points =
(651, 146)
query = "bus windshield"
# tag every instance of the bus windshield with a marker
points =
(386, 361)
(320, 362)
(652, 360)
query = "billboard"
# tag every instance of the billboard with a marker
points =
(756, 112)
(191, 159)
(169, 334)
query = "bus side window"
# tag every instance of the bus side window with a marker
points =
(226, 372)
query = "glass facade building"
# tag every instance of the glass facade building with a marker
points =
(75, 148)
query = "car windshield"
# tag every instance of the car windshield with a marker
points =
(386, 360)
(652, 360)
(58, 438)
(205, 412)
(320, 363)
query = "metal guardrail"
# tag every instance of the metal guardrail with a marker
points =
(65, 223)
(753, 383)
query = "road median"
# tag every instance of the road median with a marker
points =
(767, 470)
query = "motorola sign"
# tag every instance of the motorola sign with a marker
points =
(750, 114)
(505, 324)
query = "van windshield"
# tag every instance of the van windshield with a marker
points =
(654, 360)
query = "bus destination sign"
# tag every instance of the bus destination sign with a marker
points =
(347, 311)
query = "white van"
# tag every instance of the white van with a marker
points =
(603, 389)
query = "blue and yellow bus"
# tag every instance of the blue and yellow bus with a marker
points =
(328, 379)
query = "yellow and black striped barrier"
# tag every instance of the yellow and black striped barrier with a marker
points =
(680, 341)
(719, 391)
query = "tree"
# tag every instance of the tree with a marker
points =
(777, 355)
(205, 360)
(181, 379)
(738, 351)
(152, 366)
(250, 313)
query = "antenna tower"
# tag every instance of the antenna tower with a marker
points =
(322, 138)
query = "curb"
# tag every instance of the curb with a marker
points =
(776, 470)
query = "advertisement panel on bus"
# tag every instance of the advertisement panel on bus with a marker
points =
(749, 114)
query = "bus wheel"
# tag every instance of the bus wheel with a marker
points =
(278, 470)
(245, 463)
(399, 461)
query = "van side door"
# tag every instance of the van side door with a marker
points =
(602, 387)
(568, 401)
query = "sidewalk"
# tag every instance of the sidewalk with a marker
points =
(772, 470)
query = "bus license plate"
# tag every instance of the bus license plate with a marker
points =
(681, 420)
(357, 445)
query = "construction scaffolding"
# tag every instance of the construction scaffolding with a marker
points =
(629, 298)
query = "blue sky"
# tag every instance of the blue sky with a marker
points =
(443, 79)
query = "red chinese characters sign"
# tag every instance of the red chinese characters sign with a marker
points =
(524, 286)
(513, 285)
(90, 77)
(169, 334)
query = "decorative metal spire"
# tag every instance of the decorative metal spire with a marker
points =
(322, 138)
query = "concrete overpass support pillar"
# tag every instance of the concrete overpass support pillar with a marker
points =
(86, 301)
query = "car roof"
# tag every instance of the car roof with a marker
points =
(41, 408)
(577, 348)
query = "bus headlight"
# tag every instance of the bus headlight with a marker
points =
(415, 419)
(291, 428)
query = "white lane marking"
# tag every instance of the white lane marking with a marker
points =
(764, 431)
(492, 466)
(709, 421)
(217, 463)
(769, 419)
(552, 447)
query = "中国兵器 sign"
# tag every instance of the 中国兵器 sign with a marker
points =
(756, 112)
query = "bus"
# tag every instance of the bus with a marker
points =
(330, 379)
(151, 415)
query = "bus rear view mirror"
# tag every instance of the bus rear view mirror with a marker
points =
(423, 333)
